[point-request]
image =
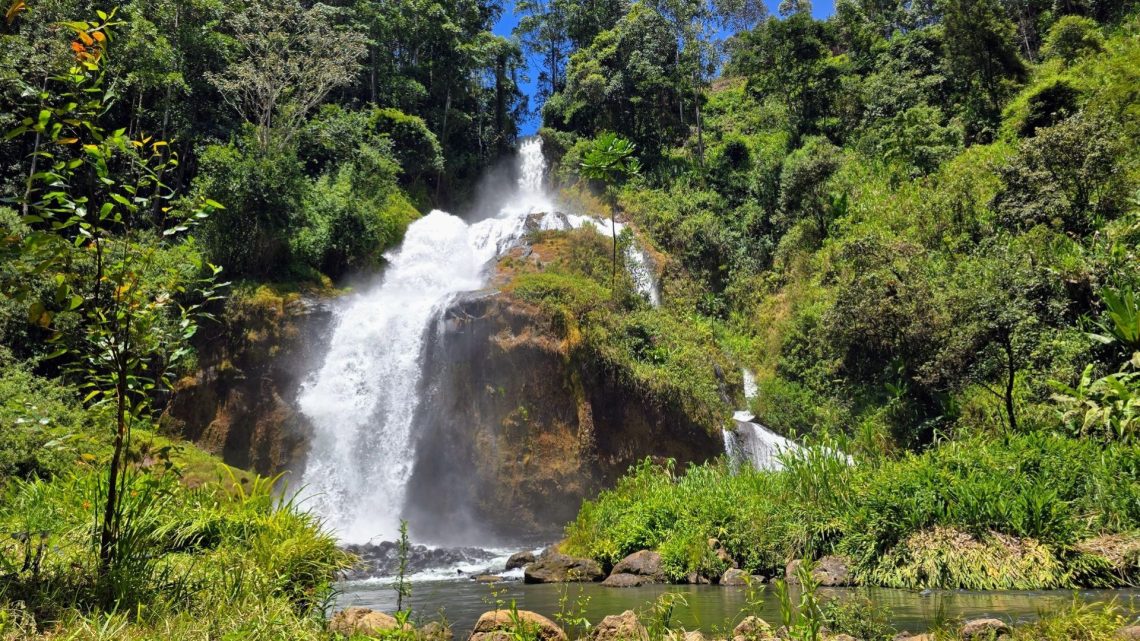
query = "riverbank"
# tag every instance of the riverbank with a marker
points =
(1034, 511)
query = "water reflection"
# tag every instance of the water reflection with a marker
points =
(711, 608)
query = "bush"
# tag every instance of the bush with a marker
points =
(262, 194)
(352, 216)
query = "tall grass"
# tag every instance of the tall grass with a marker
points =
(985, 512)
(224, 560)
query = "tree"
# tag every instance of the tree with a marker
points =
(983, 56)
(627, 82)
(1072, 37)
(610, 159)
(804, 192)
(87, 211)
(543, 31)
(790, 60)
(288, 59)
(1067, 176)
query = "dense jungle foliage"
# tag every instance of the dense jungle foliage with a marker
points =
(153, 154)
(918, 223)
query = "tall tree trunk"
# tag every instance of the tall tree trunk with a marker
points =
(442, 142)
(1011, 374)
(109, 532)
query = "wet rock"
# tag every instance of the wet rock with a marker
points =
(520, 560)
(753, 628)
(733, 577)
(1130, 633)
(645, 563)
(620, 627)
(497, 625)
(365, 621)
(488, 578)
(436, 631)
(695, 578)
(560, 568)
(624, 581)
(984, 629)
(830, 571)
(383, 559)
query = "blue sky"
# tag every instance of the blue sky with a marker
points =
(820, 8)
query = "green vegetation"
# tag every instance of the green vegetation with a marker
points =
(124, 130)
(608, 325)
(919, 227)
(978, 513)
(917, 223)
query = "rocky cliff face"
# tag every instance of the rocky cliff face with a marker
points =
(241, 404)
(515, 428)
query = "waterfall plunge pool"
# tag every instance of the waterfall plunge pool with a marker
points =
(711, 609)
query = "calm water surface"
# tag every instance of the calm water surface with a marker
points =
(710, 608)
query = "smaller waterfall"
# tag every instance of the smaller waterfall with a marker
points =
(637, 260)
(750, 442)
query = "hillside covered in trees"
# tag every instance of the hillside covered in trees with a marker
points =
(917, 223)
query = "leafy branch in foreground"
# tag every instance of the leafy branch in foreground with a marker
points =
(97, 217)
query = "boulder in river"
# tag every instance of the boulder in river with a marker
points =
(436, 631)
(520, 560)
(498, 625)
(356, 620)
(984, 630)
(560, 568)
(733, 577)
(645, 563)
(830, 571)
(624, 581)
(620, 627)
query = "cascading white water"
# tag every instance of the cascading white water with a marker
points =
(362, 400)
(751, 443)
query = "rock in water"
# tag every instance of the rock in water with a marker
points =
(436, 631)
(520, 560)
(383, 559)
(364, 621)
(624, 581)
(498, 625)
(830, 571)
(733, 577)
(984, 630)
(560, 568)
(645, 564)
(620, 627)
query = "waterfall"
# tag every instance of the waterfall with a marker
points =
(361, 401)
(749, 442)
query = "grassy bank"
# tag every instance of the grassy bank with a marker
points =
(1026, 511)
(205, 551)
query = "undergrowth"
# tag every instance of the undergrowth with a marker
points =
(980, 513)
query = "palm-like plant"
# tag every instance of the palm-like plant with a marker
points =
(1123, 324)
(611, 159)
